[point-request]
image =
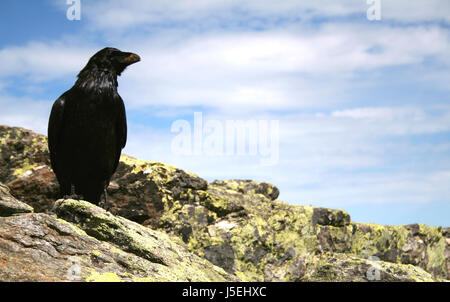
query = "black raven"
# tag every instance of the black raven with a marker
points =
(87, 128)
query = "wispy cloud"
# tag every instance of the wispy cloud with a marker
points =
(279, 68)
(43, 61)
(120, 14)
(276, 70)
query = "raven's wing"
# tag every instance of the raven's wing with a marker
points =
(55, 125)
(121, 130)
(121, 126)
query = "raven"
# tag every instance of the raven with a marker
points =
(87, 128)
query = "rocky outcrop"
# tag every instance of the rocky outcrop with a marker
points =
(9, 205)
(82, 242)
(239, 225)
(25, 167)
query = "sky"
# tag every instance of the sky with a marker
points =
(340, 104)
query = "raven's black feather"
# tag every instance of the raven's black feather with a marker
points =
(87, 127)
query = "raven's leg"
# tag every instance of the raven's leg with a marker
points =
(106, 204)
(64, 189)
(73, 194)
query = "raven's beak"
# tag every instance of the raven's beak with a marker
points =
(130, 58)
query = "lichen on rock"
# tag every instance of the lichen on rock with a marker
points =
(85, 243)
(237, 225)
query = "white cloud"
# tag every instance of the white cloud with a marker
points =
(365, 113)
(398, 121)
(365, 155)
(24, 112)
(40, 62)
(239, 71)
(274, 69)
(121, 14)
(416, 11)
(383, 188)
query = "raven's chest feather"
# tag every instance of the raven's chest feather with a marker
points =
(84, 109)
(90, 120)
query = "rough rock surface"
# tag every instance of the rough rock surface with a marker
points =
(240, 225)
(9, 205)
(82, 242)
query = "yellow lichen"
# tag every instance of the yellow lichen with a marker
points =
(103, 277)
(96, 253)
(26, 166)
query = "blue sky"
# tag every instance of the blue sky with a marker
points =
(363, 106)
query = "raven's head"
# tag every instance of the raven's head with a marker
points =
(112, 60)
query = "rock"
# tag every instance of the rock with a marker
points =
(221, 255)
(337, 218)
(21, 150)
(9, 205)
(37, 186)
(446, 232)
(251, 187)
(85, 243)
(144, 188)
(413, 228)
(236, 224)
(24, 167)
(346, 268)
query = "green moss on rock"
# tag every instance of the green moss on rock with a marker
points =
(172, 261)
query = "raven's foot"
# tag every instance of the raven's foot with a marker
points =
(105, 204)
